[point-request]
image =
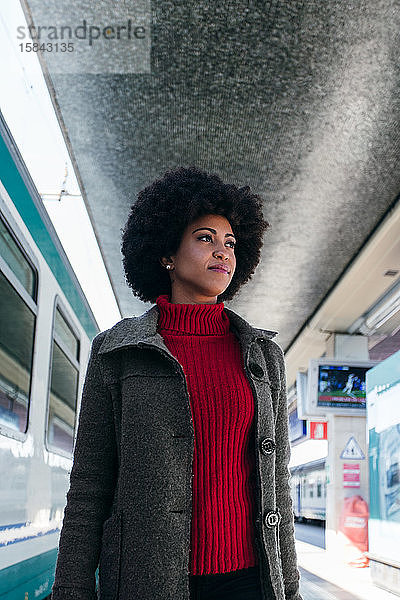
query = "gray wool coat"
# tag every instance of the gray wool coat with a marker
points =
(129, 503)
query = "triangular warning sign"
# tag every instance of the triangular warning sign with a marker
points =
(352, 450)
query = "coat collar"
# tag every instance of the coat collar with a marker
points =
(143, 329)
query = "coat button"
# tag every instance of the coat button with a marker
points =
(272, 519)
(256, 370)
(268, 446)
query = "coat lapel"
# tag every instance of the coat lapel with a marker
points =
(143, 329)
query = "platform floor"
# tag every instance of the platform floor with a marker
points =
(322, 578)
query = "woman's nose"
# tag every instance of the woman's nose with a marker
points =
(221, 252)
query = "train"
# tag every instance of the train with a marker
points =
(308, 491)
(46, 330)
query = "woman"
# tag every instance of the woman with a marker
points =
(179, 486)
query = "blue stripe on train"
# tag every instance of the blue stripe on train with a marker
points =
(29, 579)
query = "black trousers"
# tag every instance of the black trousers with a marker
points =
(243, 584)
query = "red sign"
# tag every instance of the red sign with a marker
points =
(318, 430)
(351, 475)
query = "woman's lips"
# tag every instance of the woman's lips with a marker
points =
(219, 270)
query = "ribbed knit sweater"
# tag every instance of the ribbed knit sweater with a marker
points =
(222, 405)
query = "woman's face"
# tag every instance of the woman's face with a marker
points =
(207, 242)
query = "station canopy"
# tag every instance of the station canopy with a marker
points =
(298, 99)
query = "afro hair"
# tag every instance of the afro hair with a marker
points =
(165, 208)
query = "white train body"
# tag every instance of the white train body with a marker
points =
(308, 489)
(40, 333)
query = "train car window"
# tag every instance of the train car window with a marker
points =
(319, 490)
(64, 331)
(17, 332)
(63, 387)
(16, 260)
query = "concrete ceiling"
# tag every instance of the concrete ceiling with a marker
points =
(298, 99)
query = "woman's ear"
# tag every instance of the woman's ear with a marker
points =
(164, 261)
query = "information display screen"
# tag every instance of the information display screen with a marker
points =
(341, 386)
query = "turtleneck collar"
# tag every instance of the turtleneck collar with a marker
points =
(194, 319)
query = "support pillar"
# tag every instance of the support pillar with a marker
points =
(340, 430)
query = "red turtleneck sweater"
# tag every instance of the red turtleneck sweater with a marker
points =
(222, 404)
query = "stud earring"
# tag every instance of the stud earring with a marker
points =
(168, 266)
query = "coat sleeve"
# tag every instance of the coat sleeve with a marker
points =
(91, 491)
(291, 575)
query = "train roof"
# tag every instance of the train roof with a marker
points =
(20, 187)
(313, 465)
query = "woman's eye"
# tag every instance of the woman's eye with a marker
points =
(207, 235)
